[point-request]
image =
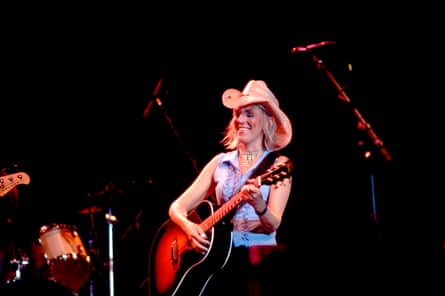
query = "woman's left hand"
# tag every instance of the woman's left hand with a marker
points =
(253, 196)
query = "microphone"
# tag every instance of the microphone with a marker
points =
(156, 92)
(311, 46)
(158, 86)
(155, 95)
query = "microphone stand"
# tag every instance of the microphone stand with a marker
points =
(364, 125)
(155, 96)
(158, 102)
(170, 122)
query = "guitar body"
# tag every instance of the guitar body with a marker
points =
(175, 268)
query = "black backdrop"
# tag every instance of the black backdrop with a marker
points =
(77, 85)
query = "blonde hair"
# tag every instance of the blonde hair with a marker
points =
(269, 127)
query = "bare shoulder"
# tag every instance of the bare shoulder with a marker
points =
(212, 163)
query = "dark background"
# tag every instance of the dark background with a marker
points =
(76, 84)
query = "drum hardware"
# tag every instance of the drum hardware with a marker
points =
(19, 267)
(90, 210)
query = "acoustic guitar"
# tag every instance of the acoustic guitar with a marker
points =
(175, 268)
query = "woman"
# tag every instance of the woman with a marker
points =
(258, 128)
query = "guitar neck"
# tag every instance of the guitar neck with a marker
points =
(272, 176)
(221, 212)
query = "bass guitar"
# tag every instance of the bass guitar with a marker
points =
(8, 182)
(175, 268)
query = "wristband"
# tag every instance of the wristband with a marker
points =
(262, 212)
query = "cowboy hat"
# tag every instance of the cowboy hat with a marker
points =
(257, 92)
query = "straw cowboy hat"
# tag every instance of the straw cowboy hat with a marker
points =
(257, 92)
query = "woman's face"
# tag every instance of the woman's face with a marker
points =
(248, 124)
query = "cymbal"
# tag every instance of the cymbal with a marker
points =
(107, 192)
(90, 210)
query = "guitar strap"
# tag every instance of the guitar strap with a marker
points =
(265, 164)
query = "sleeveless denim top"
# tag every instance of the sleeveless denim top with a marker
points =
(229, 180)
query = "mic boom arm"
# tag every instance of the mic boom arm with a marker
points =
(362, 122)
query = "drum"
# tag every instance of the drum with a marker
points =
(35, 287)
(59, 255)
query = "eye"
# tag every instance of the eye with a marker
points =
(250, 114)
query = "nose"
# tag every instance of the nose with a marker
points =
(241, 117)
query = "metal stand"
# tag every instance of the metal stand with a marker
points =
(111, 220)
(363, 125)
(20, 266)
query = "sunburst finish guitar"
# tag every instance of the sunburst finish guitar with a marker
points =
(8, 182)
(175, 269)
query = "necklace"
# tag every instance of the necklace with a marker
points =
(247, 158)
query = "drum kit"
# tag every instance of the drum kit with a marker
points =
(59, 263)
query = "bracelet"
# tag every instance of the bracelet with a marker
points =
(262, 212)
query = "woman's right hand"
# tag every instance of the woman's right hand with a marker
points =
(197, 238)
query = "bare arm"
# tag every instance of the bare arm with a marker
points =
(201, 187)
(270, 215)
